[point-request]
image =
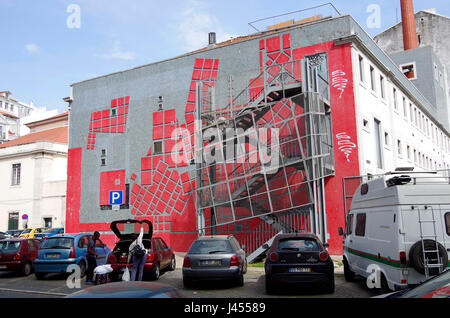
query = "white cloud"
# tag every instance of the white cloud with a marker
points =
(32, 48)
(195, 25)
(117, 53)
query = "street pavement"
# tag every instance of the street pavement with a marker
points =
(54, 286)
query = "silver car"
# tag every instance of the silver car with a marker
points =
(217, 257)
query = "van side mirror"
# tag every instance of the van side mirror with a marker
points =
(265, 246)
(341, 231)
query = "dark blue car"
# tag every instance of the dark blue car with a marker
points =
(58, 252)
(49, 233)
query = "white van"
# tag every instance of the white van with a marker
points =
(391, 222)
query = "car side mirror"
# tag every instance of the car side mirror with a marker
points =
(265, 246)
(341, 231)
(326, 245)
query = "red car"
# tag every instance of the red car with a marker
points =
(18, 255)
(159, 255)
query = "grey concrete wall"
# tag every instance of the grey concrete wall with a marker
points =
(171, 79)
(433, 30)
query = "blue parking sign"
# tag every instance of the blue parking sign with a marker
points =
(116, 197)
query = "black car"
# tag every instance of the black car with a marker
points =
(298, 259)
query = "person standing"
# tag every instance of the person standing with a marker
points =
(138, 254)
(91, 257)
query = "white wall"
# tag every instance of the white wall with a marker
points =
(434, 152)
(42, 190)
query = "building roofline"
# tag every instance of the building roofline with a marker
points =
(239, 39)
(399, 23)
(49, 120)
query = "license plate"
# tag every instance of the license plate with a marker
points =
(2, 266)
(53, 255)
(211, 262)
(299, 270)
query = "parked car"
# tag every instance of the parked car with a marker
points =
(217, 257)
(29, 233)
(298, 259)
(3, 235)
(397, 225)
(436, 287)
(50, 232)
(159, 255)
(18, 255)
(14, 233)
(58, 252)
(129, 290)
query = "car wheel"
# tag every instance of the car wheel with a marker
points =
(348, 274)
(384, 286)
(270, 289)
(156, 273)
(173, 264)
(26, 269)
(240, 280)
(187, 283)
(82, 269)
(330, 286)
(40, 276)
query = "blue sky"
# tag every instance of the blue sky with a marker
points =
(41, 56)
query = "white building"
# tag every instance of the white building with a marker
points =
(34, 170)
(395, 128)
(14, 115)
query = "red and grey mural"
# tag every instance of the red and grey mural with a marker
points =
(163, 190)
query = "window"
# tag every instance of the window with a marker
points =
(411, 114)
(13, 221)
(361, 69)
(415, 156)
(103, 161)
(382, 87)
(399, 147)
(158, 147)
(386, 138)
(394, 94)
(349, 229)
(377, 128)
(372, 78)
(48, 222)
(408, 152)
(405, 110)
(409, 70)
(16, 174)
(360, 229)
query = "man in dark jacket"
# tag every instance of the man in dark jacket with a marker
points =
(91, 257)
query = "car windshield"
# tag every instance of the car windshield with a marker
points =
(437, 287)
(298, 245)
(9, 246)
(211, 247)
(57, 243)
(49, 231)
(27, 231)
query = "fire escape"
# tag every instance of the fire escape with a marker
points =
(271, 148)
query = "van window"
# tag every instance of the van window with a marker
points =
(447, 222)
(349, 224)
(360, 229)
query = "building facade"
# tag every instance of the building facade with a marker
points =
(331, 99)
(33, 189)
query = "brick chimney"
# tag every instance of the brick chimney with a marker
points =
(409, 25)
